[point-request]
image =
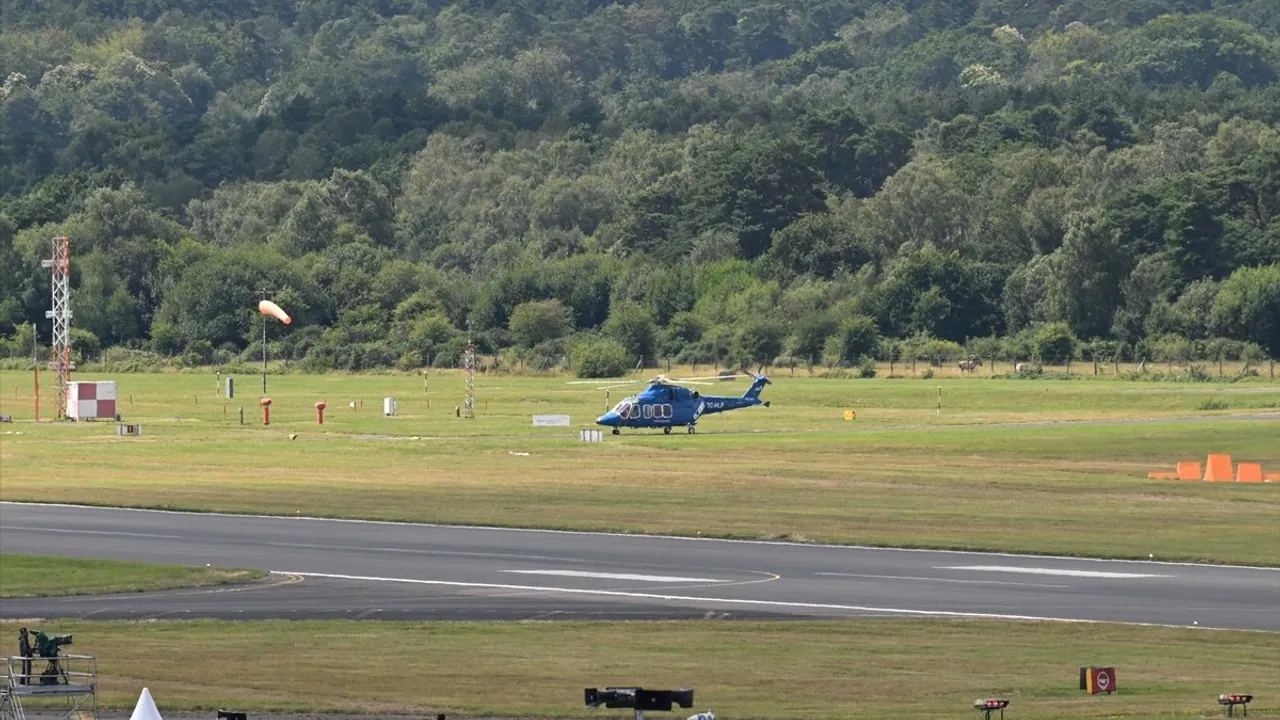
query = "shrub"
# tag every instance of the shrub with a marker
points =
(1055, 343)
(600, 358)
(867, 368)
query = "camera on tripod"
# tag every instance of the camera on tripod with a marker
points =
(47, 645)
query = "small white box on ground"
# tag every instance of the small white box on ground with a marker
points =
(591, 435)
(388, 406)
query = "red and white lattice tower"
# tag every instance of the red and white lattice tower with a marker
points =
(59, 264)
(469, 362)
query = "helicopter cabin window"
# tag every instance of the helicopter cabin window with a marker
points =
(628, 409)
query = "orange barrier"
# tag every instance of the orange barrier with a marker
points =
(1218, 469)
(1249, 472)
(1188, 470)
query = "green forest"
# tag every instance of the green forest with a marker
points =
(593, 186)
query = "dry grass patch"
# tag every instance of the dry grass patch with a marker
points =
(944, 482)
(38, 576)
(910, 669)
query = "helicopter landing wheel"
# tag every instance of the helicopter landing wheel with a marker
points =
(616, 431)
(666, 430)
(691, 430)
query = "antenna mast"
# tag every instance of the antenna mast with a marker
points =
(59, 264)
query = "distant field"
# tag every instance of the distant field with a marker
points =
(909, 669)
(983, 473)
(38, 576)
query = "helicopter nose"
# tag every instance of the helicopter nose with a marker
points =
(609, 418)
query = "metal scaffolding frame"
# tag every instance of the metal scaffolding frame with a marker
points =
(70, 678)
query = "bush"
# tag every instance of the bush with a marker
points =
(602, 358)
(409, 360)
(165, 339)
(867, 368)
(538, 321)
(20, 345)
(632, 326)
(857, 337)
(1055, 343)
(449, 354)
(84, 345)
(199, 352)
(127, 360)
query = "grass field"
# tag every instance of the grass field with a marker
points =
(985, 472)
(796, 670)
(38, 576)
(995, 468)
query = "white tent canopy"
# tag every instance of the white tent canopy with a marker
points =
(146, 708)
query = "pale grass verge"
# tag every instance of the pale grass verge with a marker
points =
(901, 474)
(40, 576)
(792, 669)
(1039, 490)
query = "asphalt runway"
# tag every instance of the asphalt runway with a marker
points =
(354, 569)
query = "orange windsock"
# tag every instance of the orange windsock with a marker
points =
(266, 307)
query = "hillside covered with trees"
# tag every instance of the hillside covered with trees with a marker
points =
(732, 181)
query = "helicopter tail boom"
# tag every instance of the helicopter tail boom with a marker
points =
(753, 392)
(712, 404)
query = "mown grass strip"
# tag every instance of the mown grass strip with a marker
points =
(900, 474)
(40, 576)
(909, 669)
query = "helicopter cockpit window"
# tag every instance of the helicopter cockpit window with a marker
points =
(626, 408)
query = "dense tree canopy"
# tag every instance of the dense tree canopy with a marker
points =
(731, 181)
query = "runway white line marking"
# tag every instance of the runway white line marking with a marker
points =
(421, 551)
(612, 576)
(732, 601)
(942, 580)
(1049, 571)
(88, 532)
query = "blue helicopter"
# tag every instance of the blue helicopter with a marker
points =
(666, 404)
